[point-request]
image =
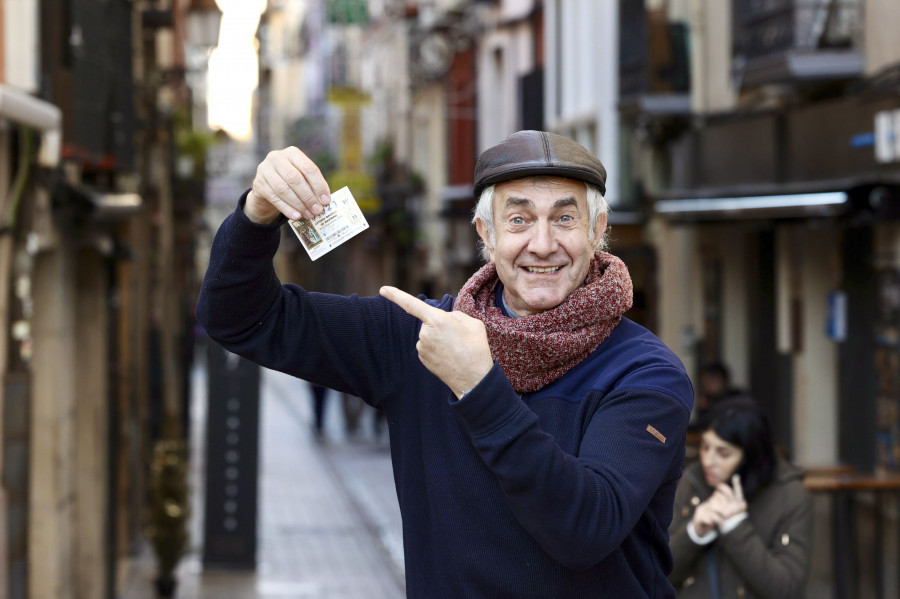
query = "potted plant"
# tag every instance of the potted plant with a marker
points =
(169, 510)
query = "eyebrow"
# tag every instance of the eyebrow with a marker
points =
(570, 201)
(519, 202)
(561, 203)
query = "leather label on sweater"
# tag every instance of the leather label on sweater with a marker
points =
(656, 433)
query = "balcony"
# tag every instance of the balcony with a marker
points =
(654, 74)
(784, 41)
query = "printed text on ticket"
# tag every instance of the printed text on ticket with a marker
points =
(341, 220)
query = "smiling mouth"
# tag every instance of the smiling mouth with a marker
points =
(542, 270)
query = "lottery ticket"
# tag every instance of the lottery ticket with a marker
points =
(341, 220)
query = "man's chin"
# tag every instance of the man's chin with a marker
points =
(543, 303)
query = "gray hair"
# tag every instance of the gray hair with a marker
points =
(484, 210)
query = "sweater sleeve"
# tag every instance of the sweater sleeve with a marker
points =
(350, 344)
(778, 571)
(580, 507)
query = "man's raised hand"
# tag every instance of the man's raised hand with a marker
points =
(452, 345)
(287, 181)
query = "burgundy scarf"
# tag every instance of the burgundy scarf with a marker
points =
(536, 350)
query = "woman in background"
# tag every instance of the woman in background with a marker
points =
(742, 520)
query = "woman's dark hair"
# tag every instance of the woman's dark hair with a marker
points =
(741, 422)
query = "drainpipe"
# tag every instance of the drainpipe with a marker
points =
(25, 109)
(33, 115)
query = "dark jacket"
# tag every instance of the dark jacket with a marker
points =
(766, 557)
(565, 492)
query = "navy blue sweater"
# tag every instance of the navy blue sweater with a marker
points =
(565, 492)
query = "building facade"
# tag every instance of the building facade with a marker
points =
(97, 279)
(775, 218)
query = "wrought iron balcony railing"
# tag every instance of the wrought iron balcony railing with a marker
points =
(653, 52)
(768, 27)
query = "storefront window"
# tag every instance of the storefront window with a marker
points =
(887, 367)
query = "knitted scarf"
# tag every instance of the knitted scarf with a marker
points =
(536, 350)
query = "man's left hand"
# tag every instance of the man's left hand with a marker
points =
(452, 345)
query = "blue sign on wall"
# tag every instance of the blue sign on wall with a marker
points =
(836, 327)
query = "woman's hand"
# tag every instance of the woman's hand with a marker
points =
(724, 503)
(729, 501)
(706, 518)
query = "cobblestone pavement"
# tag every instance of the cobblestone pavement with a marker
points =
(328, 523)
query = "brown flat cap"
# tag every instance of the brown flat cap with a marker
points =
(537, 153)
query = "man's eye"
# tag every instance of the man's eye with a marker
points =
(517, 220)
(566, 218)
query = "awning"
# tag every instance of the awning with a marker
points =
(27, 110)
(798, 205)
(625, 217)
(23, 108)
(103, 205)
(458, 201)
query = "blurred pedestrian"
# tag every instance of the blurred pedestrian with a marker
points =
(354, 408)
(319, 396)
(537, 435)
(713, 385)
(743, 519)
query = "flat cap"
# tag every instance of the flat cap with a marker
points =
(537, 153)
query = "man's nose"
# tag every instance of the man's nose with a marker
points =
(543, 241)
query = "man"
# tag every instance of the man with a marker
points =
(713, 385)
(536, 434)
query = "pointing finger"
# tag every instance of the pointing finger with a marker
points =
(413, 305)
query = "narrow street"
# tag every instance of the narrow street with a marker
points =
(329, 524)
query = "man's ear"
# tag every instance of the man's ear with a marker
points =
(599, 229)
(485, 236)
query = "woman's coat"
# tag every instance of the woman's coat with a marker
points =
(766, 557)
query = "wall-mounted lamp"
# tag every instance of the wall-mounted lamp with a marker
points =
(203, 20)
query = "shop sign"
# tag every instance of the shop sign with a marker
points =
(351, 169)
(887, 136)
(347, 12)
(836, 327)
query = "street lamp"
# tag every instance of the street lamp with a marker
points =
(203, 20)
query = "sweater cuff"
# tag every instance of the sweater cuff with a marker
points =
(705, 539)
(732, 523)
(488, 405)
(246, 234)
